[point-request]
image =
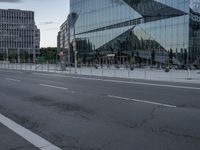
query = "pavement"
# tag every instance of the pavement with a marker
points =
(49, 111)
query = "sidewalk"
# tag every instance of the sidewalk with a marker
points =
(192, 76)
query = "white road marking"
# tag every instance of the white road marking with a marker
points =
(31, 137)
(55, 87)
(141, 101)
(10, 79)
(125, 82)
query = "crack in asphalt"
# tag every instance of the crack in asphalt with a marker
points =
(176, 132)
(108, 143)
(143, 122)
(81, 111)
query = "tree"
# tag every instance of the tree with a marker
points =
(49, 54)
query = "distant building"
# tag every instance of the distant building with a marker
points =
(19, 36)
(110, 31)
(63, 40)
(58, 41)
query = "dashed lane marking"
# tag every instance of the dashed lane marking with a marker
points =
(120, 81)
(55, 87)
(141, 101)
(14, 80)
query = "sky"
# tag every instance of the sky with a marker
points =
(49, 15)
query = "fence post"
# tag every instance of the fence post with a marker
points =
(115, 72)
(81, 70)
(48, 66)
(31, 67)
(145, 73)
(128, 72)
(189, 74)
(91, 70)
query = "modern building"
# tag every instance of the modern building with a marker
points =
(19, 36)
(115, 30)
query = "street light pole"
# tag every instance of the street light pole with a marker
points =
(75, 52)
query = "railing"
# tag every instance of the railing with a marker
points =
(105, 71)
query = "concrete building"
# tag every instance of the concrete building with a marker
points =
(115, 30)
(19, 36)
(63, 41)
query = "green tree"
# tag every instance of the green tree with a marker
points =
(49, 54)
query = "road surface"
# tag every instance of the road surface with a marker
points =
(65, 112)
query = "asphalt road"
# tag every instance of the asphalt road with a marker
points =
(93, 113)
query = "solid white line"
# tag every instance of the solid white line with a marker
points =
(126, 82)
(141, 101)
(10, 79)
(31, 137)
(52, 86)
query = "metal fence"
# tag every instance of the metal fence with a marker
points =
(105, 71)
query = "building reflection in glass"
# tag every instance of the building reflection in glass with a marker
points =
(137, 27)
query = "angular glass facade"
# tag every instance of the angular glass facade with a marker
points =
(137, 27)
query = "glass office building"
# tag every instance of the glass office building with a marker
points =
(125, 28)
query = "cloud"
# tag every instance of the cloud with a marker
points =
(10, 1)
(47, 23)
